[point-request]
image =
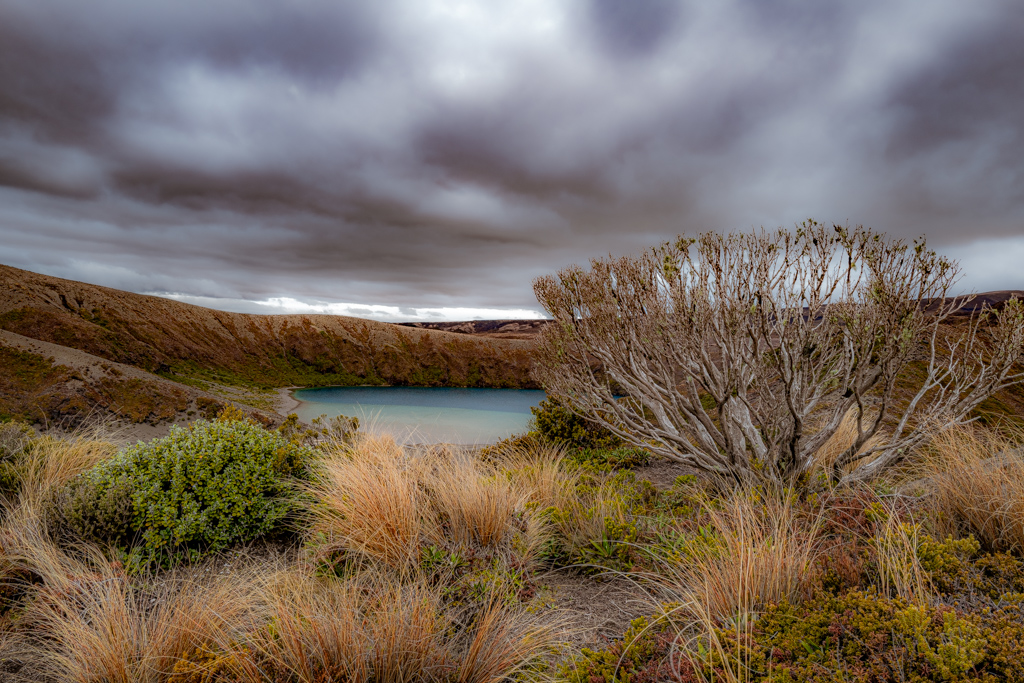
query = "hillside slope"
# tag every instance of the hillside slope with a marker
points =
(184, 342)
(54, 385)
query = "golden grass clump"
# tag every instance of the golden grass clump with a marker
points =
(106, 628)
(373, 627)
(541, 473)
(89, 622)
(758, 550)
(47, 462)
(899, 568)
(382, 503)
(473, 501)
(369, 501)
(838, 443)
(977, 482)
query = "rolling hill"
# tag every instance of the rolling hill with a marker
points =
(191, 345)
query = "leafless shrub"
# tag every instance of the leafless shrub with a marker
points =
(731, 347)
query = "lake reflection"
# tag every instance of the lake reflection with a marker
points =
(426, 414)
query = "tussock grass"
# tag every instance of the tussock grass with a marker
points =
(977, 483)
(47, 462)
(755, 550)
(899, 568)
(541, 473)
(474, 502)
(106, 628)
(369, 501)
(375, 628)
(82, 619)
(381, 503)
(844, 437)
(759, 550)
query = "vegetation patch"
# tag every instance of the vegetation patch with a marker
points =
(197, 491)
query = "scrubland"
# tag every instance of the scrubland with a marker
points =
(228, 551)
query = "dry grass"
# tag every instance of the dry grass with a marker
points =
(541, 473)
(378, 502)
(369, 501)
(106, 628)
(899, 568)
(49, 462)
(473, 501)
(376, 628)
(83, 620)
(977, 479)
(546, 480)
(838, 444)
(759, 551)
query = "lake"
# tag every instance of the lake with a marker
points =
(426, 414)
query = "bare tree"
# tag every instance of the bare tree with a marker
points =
(740, 355)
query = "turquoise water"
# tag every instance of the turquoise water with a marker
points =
(426, 414)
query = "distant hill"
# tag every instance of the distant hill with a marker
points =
(187, 343)
(496, 329)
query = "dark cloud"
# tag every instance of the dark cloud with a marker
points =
(633, 28)
(431, 154)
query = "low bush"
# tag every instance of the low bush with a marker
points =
(196, 491)
(959, 567)
(558, 425)
(607, 459)
(858, 637)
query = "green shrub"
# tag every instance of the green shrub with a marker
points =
(858, 637)
(15, 438)
(640, 656)
(98, 505)
(198, 490)
(558, 425)
(607, 459)
(957, 567)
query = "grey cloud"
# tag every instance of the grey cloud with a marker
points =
(633, 28)
(444, 155)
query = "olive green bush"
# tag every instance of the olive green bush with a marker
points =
(196, 491)
(15, 438)
(556, 424)
(859, 637)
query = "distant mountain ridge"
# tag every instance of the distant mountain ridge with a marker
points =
(497, 329)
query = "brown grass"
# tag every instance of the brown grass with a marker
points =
(762, 553)
(474, 502)
(977, 479)
(105, 628)
(369, 502)
(376, 628)
(50, 462)
(838, 443)
(381, 503)
(899, 568)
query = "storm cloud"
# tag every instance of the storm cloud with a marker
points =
(399, 158)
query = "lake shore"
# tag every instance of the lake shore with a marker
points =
(285, 402)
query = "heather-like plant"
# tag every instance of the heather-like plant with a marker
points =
(197, 490)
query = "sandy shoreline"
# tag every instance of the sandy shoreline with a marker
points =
(286, 403)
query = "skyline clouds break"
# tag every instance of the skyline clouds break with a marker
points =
(426, 160)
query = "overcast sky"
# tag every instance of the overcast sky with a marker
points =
(418, 159)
